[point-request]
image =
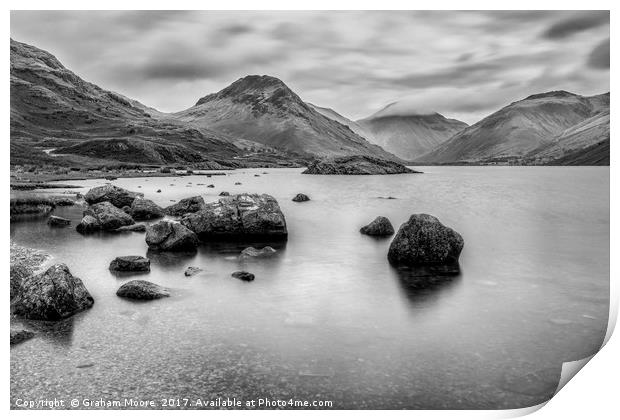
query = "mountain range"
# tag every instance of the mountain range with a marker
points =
(259, 119)
(541, 128)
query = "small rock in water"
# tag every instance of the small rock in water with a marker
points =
(85, 365)
(142, 290)
(17, 336)
(301, 197)
(252, 252)
(210, 186)
(192, 270)
(243, 275)
(237, 183)
(381, 226)
(130, 263)
(136, 227)
(388, 198)
(256, 175)
(58, 221)
(224, 194)
(158, 191)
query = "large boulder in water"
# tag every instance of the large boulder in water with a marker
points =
(143, 209)
(130, 263)
(239, 216)
(423, 241)
(356, 165)
(107, 217)
(168, 235)
(186, 205)
(381, 226)
(52, 295)
(118, 196)
(142, 290)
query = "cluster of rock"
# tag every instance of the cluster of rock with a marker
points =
(239, 216)
(356, 165)
(422, 241)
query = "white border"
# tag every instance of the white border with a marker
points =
(593, 394)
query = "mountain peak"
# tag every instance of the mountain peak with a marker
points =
(402, 109)
(250, 85)
(552, 94)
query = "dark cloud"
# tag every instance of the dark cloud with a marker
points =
(599, 57)
(181, 71)
(578, 23)
(237, 29)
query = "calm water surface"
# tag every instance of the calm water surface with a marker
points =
(328, 318)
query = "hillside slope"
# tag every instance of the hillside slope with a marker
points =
(519, 130)
(51, 107)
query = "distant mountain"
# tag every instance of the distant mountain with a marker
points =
(263, 109)
(409, 135)
(522, 130)
(51, 107)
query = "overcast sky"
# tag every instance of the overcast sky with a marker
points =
(464, 65)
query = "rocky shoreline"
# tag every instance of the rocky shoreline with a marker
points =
(54, 294)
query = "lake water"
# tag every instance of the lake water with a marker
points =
(328, 318)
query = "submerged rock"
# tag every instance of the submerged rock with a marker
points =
(137, 227)
(356, 165)
(167, 235)
(239, 216)
(301, 197)
(118, 196)
(381, 226)
(17, 336)
(252, 252)
(130, 263)
(192, 270)
(142, 290)
(58, 221)
(107, 217)
(243, 275)
(52, 295)
(424, 241)
(186, 205)
(224, 194)
(143, 209)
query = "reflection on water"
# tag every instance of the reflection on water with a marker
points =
(328, 317)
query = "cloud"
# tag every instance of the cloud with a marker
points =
(599, 57)
(577, 23)
(462, 64)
